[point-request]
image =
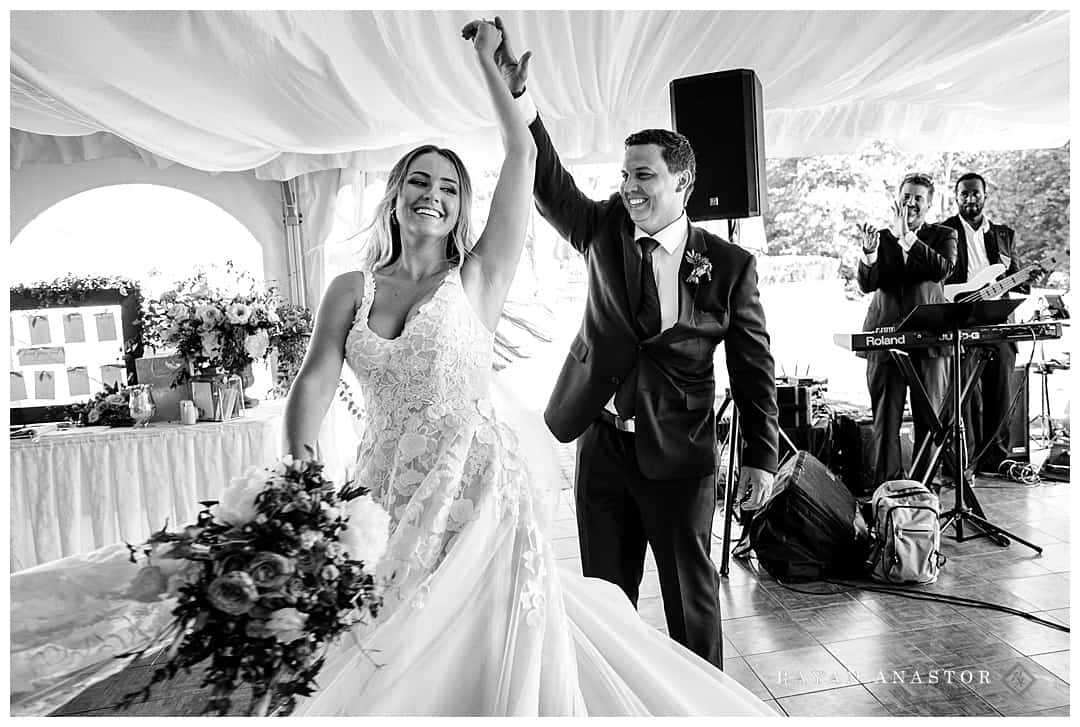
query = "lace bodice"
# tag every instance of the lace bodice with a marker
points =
(442, 356)
(432, 378)
(432, 451)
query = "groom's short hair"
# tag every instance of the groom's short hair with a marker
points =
(674, 147)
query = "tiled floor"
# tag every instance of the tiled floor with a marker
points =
(847, 651)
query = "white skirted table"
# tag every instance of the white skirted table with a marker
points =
(78, 490)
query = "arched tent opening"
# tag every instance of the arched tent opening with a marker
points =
(253, 205)
(149, 233)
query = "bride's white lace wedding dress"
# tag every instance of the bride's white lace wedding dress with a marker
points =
(478, 618)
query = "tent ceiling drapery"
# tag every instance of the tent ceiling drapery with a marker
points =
(284, 93)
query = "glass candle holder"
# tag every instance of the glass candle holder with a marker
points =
(141, 404)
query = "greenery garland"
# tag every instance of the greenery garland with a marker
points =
(73, 289)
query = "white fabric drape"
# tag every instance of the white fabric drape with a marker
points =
(75, 493)
(292, 92)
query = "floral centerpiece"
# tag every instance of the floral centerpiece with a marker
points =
(218, 332)
(108, 407)
(265, 580)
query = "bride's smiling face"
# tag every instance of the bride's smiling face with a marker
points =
(430, 198)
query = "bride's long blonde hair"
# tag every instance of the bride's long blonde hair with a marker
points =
(384, 241)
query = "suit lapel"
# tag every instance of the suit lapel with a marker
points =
(688, 292)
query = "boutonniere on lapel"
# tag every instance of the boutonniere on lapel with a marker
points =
(696, 266)
(699, 266)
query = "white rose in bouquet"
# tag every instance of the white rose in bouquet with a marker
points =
(170, 332)
(287, 625)
(211, 344)
(179, 312)
(237, 504)
(256, 344)
(238, 313)
(210, 315)
(367, 533)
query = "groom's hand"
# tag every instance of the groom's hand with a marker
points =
(754, 488)
(514, 71)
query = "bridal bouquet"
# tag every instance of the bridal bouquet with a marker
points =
(219, 332)
(265, 580)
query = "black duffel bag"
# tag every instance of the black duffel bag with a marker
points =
(811, 527)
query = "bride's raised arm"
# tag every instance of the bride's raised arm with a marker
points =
(489, 270)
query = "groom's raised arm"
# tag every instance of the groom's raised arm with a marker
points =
(573, 215)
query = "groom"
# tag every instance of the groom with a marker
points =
(637, 389)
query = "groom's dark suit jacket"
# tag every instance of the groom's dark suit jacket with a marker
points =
(674, 420)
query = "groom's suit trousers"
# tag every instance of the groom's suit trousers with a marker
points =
(620, 511)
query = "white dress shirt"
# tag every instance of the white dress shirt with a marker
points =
(666, 260)
(976, 247)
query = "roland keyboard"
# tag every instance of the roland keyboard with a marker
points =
(884, 340)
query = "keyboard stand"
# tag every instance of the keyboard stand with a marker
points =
(954, 317)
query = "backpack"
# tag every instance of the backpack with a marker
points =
(906, 538)
(811, 526)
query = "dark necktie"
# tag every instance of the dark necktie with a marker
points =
(648, 320)
(648, 312)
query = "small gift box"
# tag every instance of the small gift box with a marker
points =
(218, 398)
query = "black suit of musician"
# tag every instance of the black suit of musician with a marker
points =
(637, 389)
(904, 266)
(982, 243)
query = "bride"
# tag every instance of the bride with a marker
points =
(476, 620)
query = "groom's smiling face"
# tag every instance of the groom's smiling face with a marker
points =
(652, 195)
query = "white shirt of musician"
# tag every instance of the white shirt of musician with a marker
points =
(976, 247)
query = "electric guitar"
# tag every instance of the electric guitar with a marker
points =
(985, 285)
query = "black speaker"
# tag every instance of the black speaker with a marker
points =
(853, 452)
(721, 114)
(793, 405)
(1019, 424)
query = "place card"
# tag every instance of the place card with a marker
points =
(44, 385)
(114, 375)
(78, 381)
(74, 331)
(18, 387)
(106, 326)
(39, 330)
(45, 356)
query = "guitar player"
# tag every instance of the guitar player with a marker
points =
(980, 244)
